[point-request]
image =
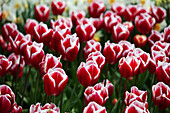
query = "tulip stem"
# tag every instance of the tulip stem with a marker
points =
(120, 86)
(45, 98)
(123, 96)
(151, 102)
(61, 102)
(25, 85)
(106, 75)
(50, 99)
(136, 79)
(81, 51)
(37, 80)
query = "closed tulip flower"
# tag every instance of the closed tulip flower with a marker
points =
(140, 40)
(5, 65)
(91, 46)
(69, 47)
(16, 108)
(158, 13)
(144, 23)
(16, 62)
(118, 8)
(88, 73)
(109, 86)
(96, 23)
(98, 94)
(167, 34)
(96, 8)
(55, 81)
(58, 7)
(77, 16)
(42, 12)
(29, 26)
(93, 107)
(161, 95)
(112, 52)
(129, 26)
(0, 15)
(49, 61)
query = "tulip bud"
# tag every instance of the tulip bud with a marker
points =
(29, 26)
(109, 86)
(158, 13)
(167, 34)
(93, 107)
(96, 23)
(58, 7)
(77, 16)
(16, 108)
(118, 8)
(55, 81)
(129, 26)
(5, 65)
(140, 40)
(42, 12)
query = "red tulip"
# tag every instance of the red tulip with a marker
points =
(5, 65)
(144, 23)
(16, 62)
(167, 34)
(44, 109)
(33, 53)
(49, 61)
(162, 72)
(98, 58)
(154, 37)
(127, 47)
(161, 95)
(129, 26)
(55, 81)
(98, 94)
(29, 26)
(140, 40)
(112, 52)
(85, 32)
(137, 107)
(88, 73)
(152, 66)
(96, 23)
(9, 29)
(42, 33)
(69, 47)
(109, 86)
(158, 13)
(0, 15)
(16, 108)
(93, 107)
(129, 66)
(42, 12)
(58, 7)
(77, 16)
(96, 8)
(120, 32)
(118, 8)
(135, 94)
(7, 99)
(91, 46)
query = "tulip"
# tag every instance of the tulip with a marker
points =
(120, 32)
(16, 108)
(161, 95)
(109, 86)
(112, 52)
(91, 46)
(114, 101)
(129, 26)
(44, 109)
(154, 37)
(16, 62)
(98, 58)
(88, 73)
(49, 61)
(152, 66)
(93, 107)
(144, 23)
(158, 13)
(167, 34)
(58, 7)
(118, 8)
(96, 8)
(55, 81)
(0, 15)
(140, 40)
(96, 23)
(5, 65)
(98, 94)
(85, 32)
(69, 47)
(77, 16)
(42, 33)
(42, 12)
(135, 94)
(29, 26)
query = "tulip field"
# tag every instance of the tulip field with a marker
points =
(84, 56)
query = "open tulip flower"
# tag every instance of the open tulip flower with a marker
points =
(161, 95)
(93, 107)
(58, 7)
(98, 94)
(77, 16)
(55, 80)
(88, 73)
(167, 34)
(29, 26)
(51, 108)
(5, 65)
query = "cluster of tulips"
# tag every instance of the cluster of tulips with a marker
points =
(27, 49)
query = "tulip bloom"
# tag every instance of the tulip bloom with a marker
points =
(55, 81)
(118, 8)
(49, 61)
(140, 40)
(96, 8)
(5, 65)
(0, 15)
(98, 94)
(161, 95)
(93, 107)
(58, 7)
(77, 16)
(167, 34)
(109, 86)
(42, 12)
(158, 13)
(29, 26)
(88, 73)
(129, 26)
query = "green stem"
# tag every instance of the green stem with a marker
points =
(123, 96)
(45, 98)
(136, 79)
(37, 80)
(61, 102)
(120, 86)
